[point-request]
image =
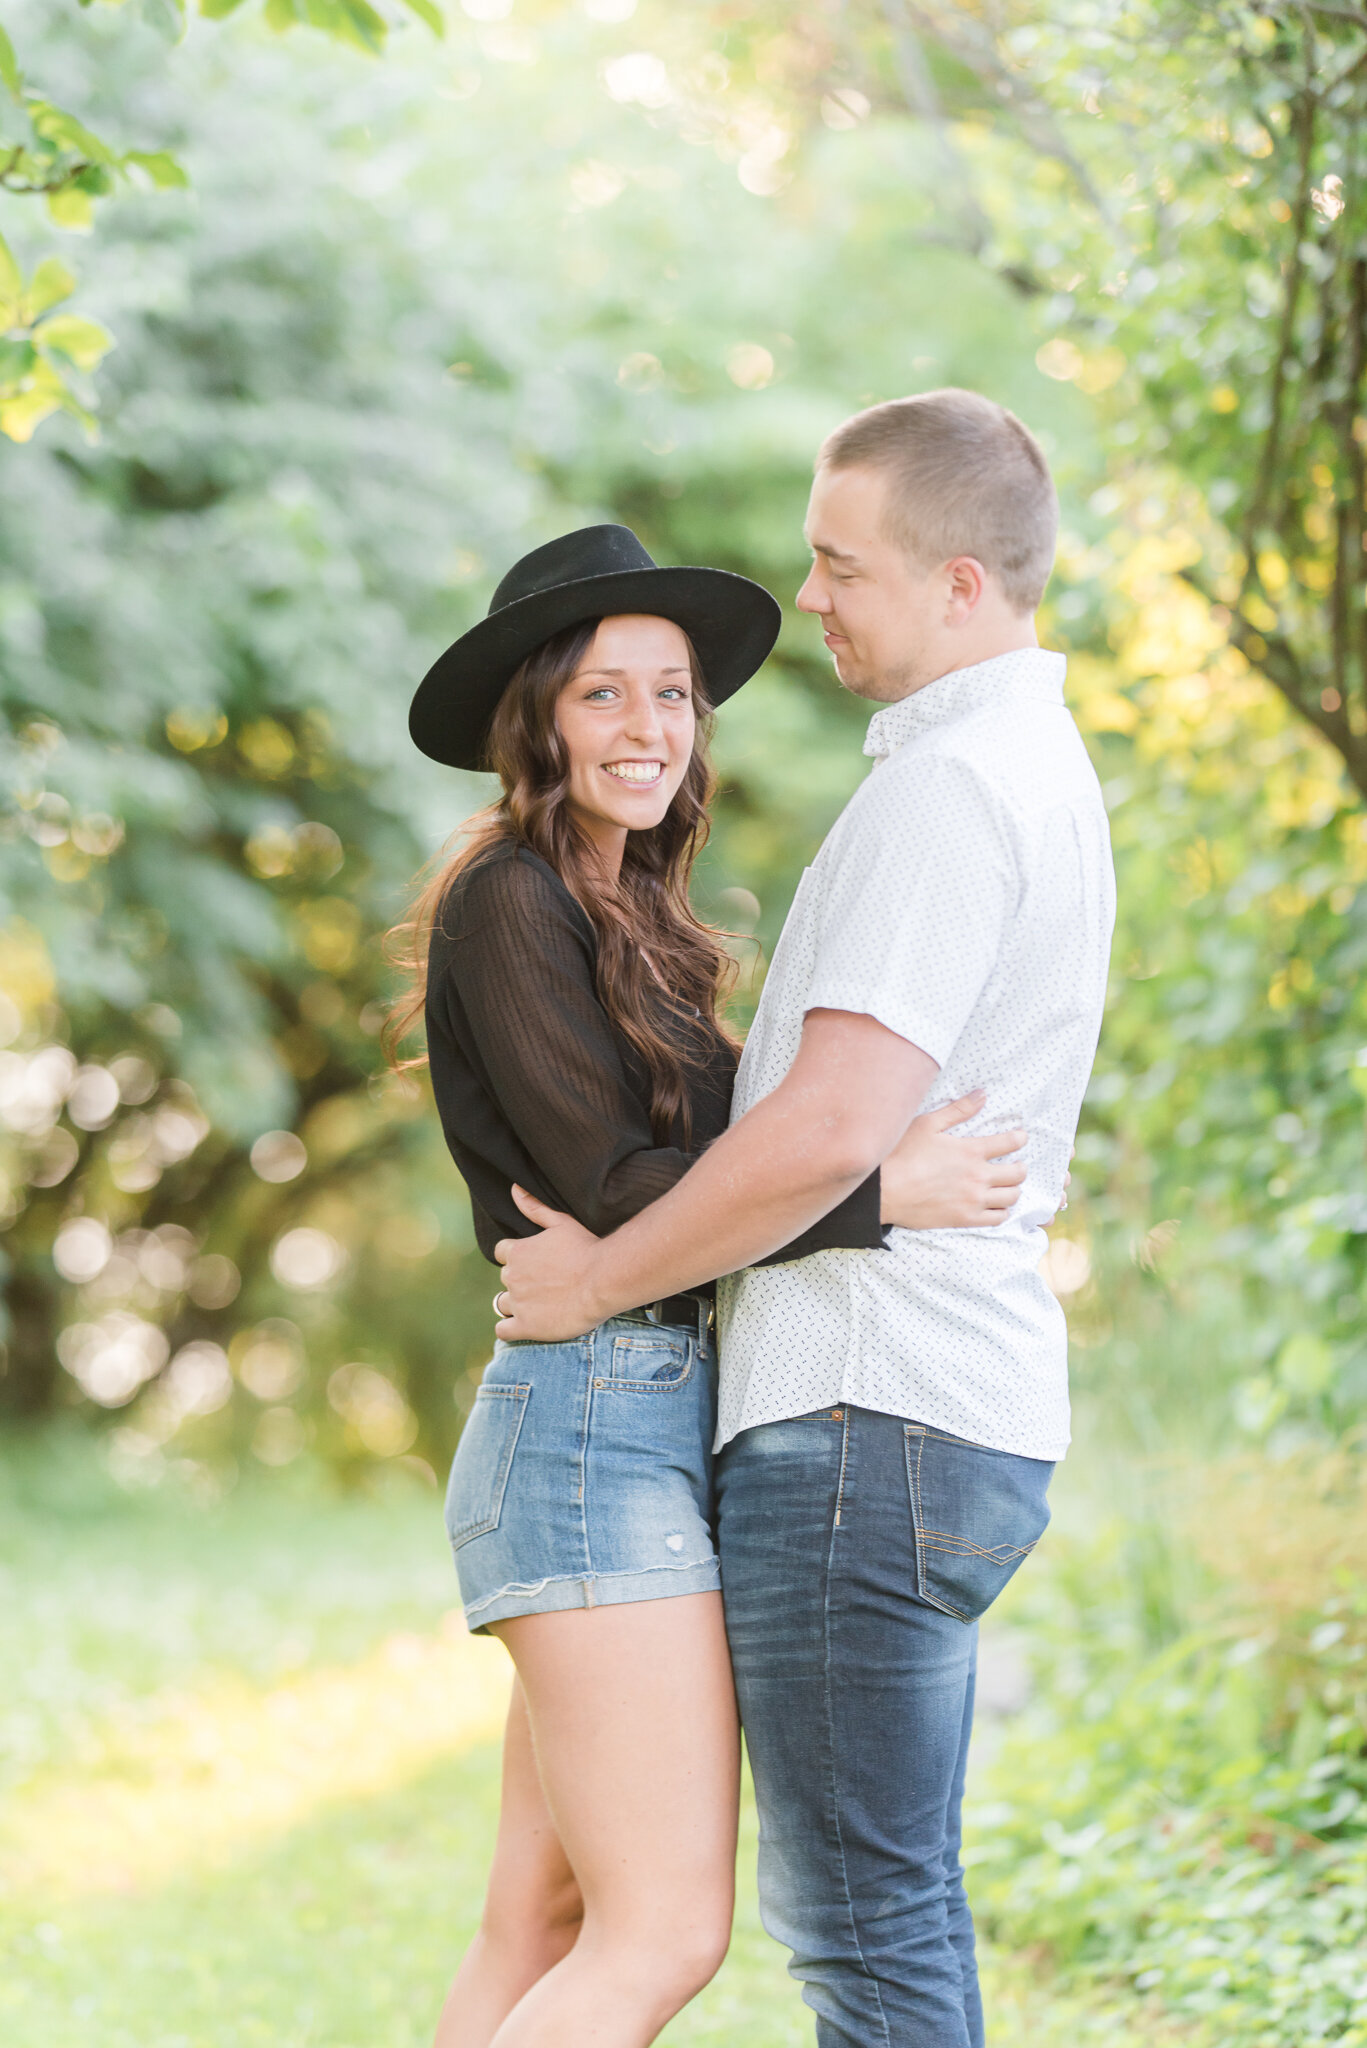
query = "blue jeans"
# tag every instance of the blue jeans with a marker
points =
(858, 1551)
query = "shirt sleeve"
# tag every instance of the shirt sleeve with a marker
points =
(853, 1225)
(917, 893)
(521, 968)
(522, 964)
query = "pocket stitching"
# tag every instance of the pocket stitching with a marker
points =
(941, 1539)
(611, 1383)
(466, 1532)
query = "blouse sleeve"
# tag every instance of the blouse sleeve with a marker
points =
(521, 962)
(520, 965)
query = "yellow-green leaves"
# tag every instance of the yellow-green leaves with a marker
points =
(158, 165)
(9, 66)
(61, 161)
(83, 342)
(51, 283)
(39, 348)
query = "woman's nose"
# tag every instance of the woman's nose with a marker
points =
(643, 719)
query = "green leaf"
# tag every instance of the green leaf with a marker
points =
(71, 210)
(351, 21)
(9, 68)
(167, 17)
(1305, 1364)
(83, 342)
(284, 14)
(57, 126)
(51, 282)
(160, 166)
(11, 278)
(17, 358)
(428, 11)
(218, 10)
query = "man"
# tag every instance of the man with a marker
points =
(889, 1419)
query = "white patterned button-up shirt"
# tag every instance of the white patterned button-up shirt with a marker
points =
(965, 898)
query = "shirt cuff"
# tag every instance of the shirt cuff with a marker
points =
(852, 1225)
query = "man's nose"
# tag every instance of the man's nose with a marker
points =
(813, 596)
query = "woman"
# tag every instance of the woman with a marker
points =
(575, 1047)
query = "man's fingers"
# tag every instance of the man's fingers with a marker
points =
(957, 1112)
(1005, 1173)
(536, 1212)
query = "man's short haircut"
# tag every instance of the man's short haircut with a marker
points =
(965, 477)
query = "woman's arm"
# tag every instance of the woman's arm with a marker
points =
(514, 975)
(935, 1180)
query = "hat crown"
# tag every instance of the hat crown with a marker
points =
(573, 558)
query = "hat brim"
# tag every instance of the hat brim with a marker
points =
(732, 622)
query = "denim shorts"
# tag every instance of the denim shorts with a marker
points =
(583, 1477)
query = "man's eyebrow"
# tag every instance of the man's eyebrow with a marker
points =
(831, 554)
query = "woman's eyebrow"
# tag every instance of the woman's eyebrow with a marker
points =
(680, 669)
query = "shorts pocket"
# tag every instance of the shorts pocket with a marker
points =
(483, 1460)
(653, 1363)
(977, 1514)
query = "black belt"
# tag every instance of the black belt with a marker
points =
(692, 1310)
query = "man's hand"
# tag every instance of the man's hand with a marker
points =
(544, 1280)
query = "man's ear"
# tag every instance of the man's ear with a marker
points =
(965, 582)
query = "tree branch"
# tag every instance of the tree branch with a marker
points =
(972, 43)
(918, 89)
(1356, 15)
(1286, 338)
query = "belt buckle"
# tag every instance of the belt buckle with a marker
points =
(653, 1312)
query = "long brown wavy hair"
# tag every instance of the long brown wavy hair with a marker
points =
(661, 971)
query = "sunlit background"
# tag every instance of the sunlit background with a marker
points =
(308, 335)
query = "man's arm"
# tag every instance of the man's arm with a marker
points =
(843, 1105)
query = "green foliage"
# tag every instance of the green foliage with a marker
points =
(1180, 187)
(147, 1642)
(47, 152)
(1158, 1814)
(323, 446)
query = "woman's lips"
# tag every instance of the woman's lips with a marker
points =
(635, 774)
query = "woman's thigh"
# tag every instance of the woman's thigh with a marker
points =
(633, 1718)
(532, 1892)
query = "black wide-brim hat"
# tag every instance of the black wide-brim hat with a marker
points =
(598, 572)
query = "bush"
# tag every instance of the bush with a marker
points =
(1182, 1805)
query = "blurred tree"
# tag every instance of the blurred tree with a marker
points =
(1181, 189)
(379, 356)
(48, 152)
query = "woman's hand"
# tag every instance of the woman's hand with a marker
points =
(935, 1181)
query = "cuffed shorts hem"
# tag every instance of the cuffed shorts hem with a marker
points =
(555, 1596)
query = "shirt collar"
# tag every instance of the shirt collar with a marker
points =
(1025, 672)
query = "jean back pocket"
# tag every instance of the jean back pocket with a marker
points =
(483, 1460)
(977, 1514)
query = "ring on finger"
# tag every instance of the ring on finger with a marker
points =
(497, 1299)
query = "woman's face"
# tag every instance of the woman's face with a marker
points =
(627, 719)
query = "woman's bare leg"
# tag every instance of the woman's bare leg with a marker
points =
(532, 1909)
(633, 1717)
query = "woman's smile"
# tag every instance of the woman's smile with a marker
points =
(644, 774)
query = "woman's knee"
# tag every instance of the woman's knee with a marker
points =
(540, 1918)
(669, 1963)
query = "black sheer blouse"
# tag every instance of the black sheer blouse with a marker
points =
(534, 1084)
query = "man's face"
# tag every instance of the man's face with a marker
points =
(883, 615)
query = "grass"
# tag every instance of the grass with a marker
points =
(251, 1771)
